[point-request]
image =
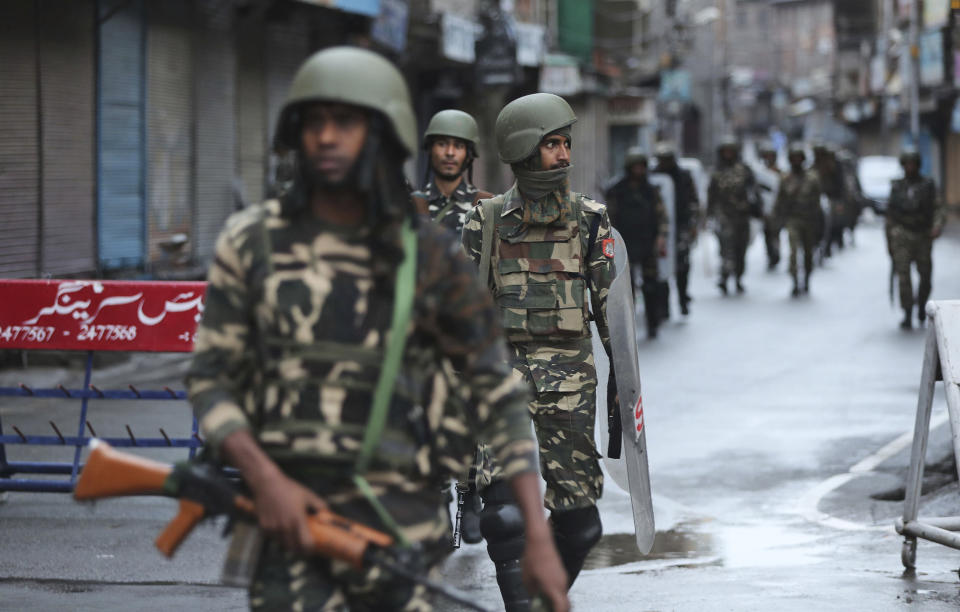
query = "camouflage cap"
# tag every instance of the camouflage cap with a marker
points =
(350, 75)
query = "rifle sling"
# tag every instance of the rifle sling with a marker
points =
(396, 342)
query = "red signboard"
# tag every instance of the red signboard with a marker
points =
(92, 315)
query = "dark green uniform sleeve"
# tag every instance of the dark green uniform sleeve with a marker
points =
(222, 355)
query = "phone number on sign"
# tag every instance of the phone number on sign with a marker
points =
(107, 332)
(25, 333)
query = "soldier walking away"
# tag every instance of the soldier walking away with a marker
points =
(451, 143)
(798, 209)
(833, 185)
(637, 211)
(686, 205)
(541, 248)
(317, 365)
(915, 218)
(771, 231)
(731, 200)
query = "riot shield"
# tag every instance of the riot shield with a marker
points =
(630, 471)
(768, 182)
(664, 183)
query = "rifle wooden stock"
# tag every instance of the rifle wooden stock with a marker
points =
(111, 473)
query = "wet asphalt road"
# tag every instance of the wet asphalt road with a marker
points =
(756, 407)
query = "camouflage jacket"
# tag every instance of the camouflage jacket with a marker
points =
(539, 279)
(731, 191)
(798, 199)
(915, 204)
(449, 212)
(293, 336)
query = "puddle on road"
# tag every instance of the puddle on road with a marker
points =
(621, 548)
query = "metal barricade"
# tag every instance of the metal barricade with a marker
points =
(91, 316)
(941, 361)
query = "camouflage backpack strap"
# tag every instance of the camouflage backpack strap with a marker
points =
(396, 342)
(491, 210)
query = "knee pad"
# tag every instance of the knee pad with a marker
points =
(579, 530)
(501, 524)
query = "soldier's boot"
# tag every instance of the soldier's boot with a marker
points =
(923, 294)
(907, 322)
(683, 279)
(722, 284)
(501, 524)
(806, 282)
(740, 288)
(470, 519)
(651, 308)
(575, 533)
(796, 287)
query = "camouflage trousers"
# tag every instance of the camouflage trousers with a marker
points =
(908, 247)
(734, 237)
(285, 581)
(802, 236)
(564, 422)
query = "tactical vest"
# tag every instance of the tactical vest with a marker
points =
(416, 440)
(912, 203)
(539, 274)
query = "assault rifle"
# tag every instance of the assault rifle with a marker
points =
(204, 491)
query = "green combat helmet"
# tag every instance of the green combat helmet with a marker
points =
(350, 76)
(728, 141)
(634, 155)
(665, 149)
(908, 154)
(453, 123)
(523, 123)
(795, 149)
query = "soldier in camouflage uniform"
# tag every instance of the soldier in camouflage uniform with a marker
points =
(541, 248)
(451, 142)
(637, 211)
(915, 218)
(834, 186)
(731, 199)
(798, 209)
(686, 216)
(297, 326)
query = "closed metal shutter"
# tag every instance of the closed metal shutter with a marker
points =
(67, 145)
(169, 125)
(121, 229)
(216, 146)
(251, 112)
(287, 48)
(19, 173)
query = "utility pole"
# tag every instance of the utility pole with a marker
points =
(915, 71)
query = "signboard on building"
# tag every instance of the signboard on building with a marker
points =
(936, 13)
(560, 75)
(458, 38)
(530, 38)
(496, 47)
(370, 8)
(931, 58)
(100, 315)
(675, 85)
(631, 110)
(390, 26)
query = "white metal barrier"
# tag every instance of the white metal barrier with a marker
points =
(941, 361)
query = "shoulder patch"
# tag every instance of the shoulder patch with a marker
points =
(609, 248)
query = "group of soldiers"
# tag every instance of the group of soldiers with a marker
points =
(817, 205)
(361, 345)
